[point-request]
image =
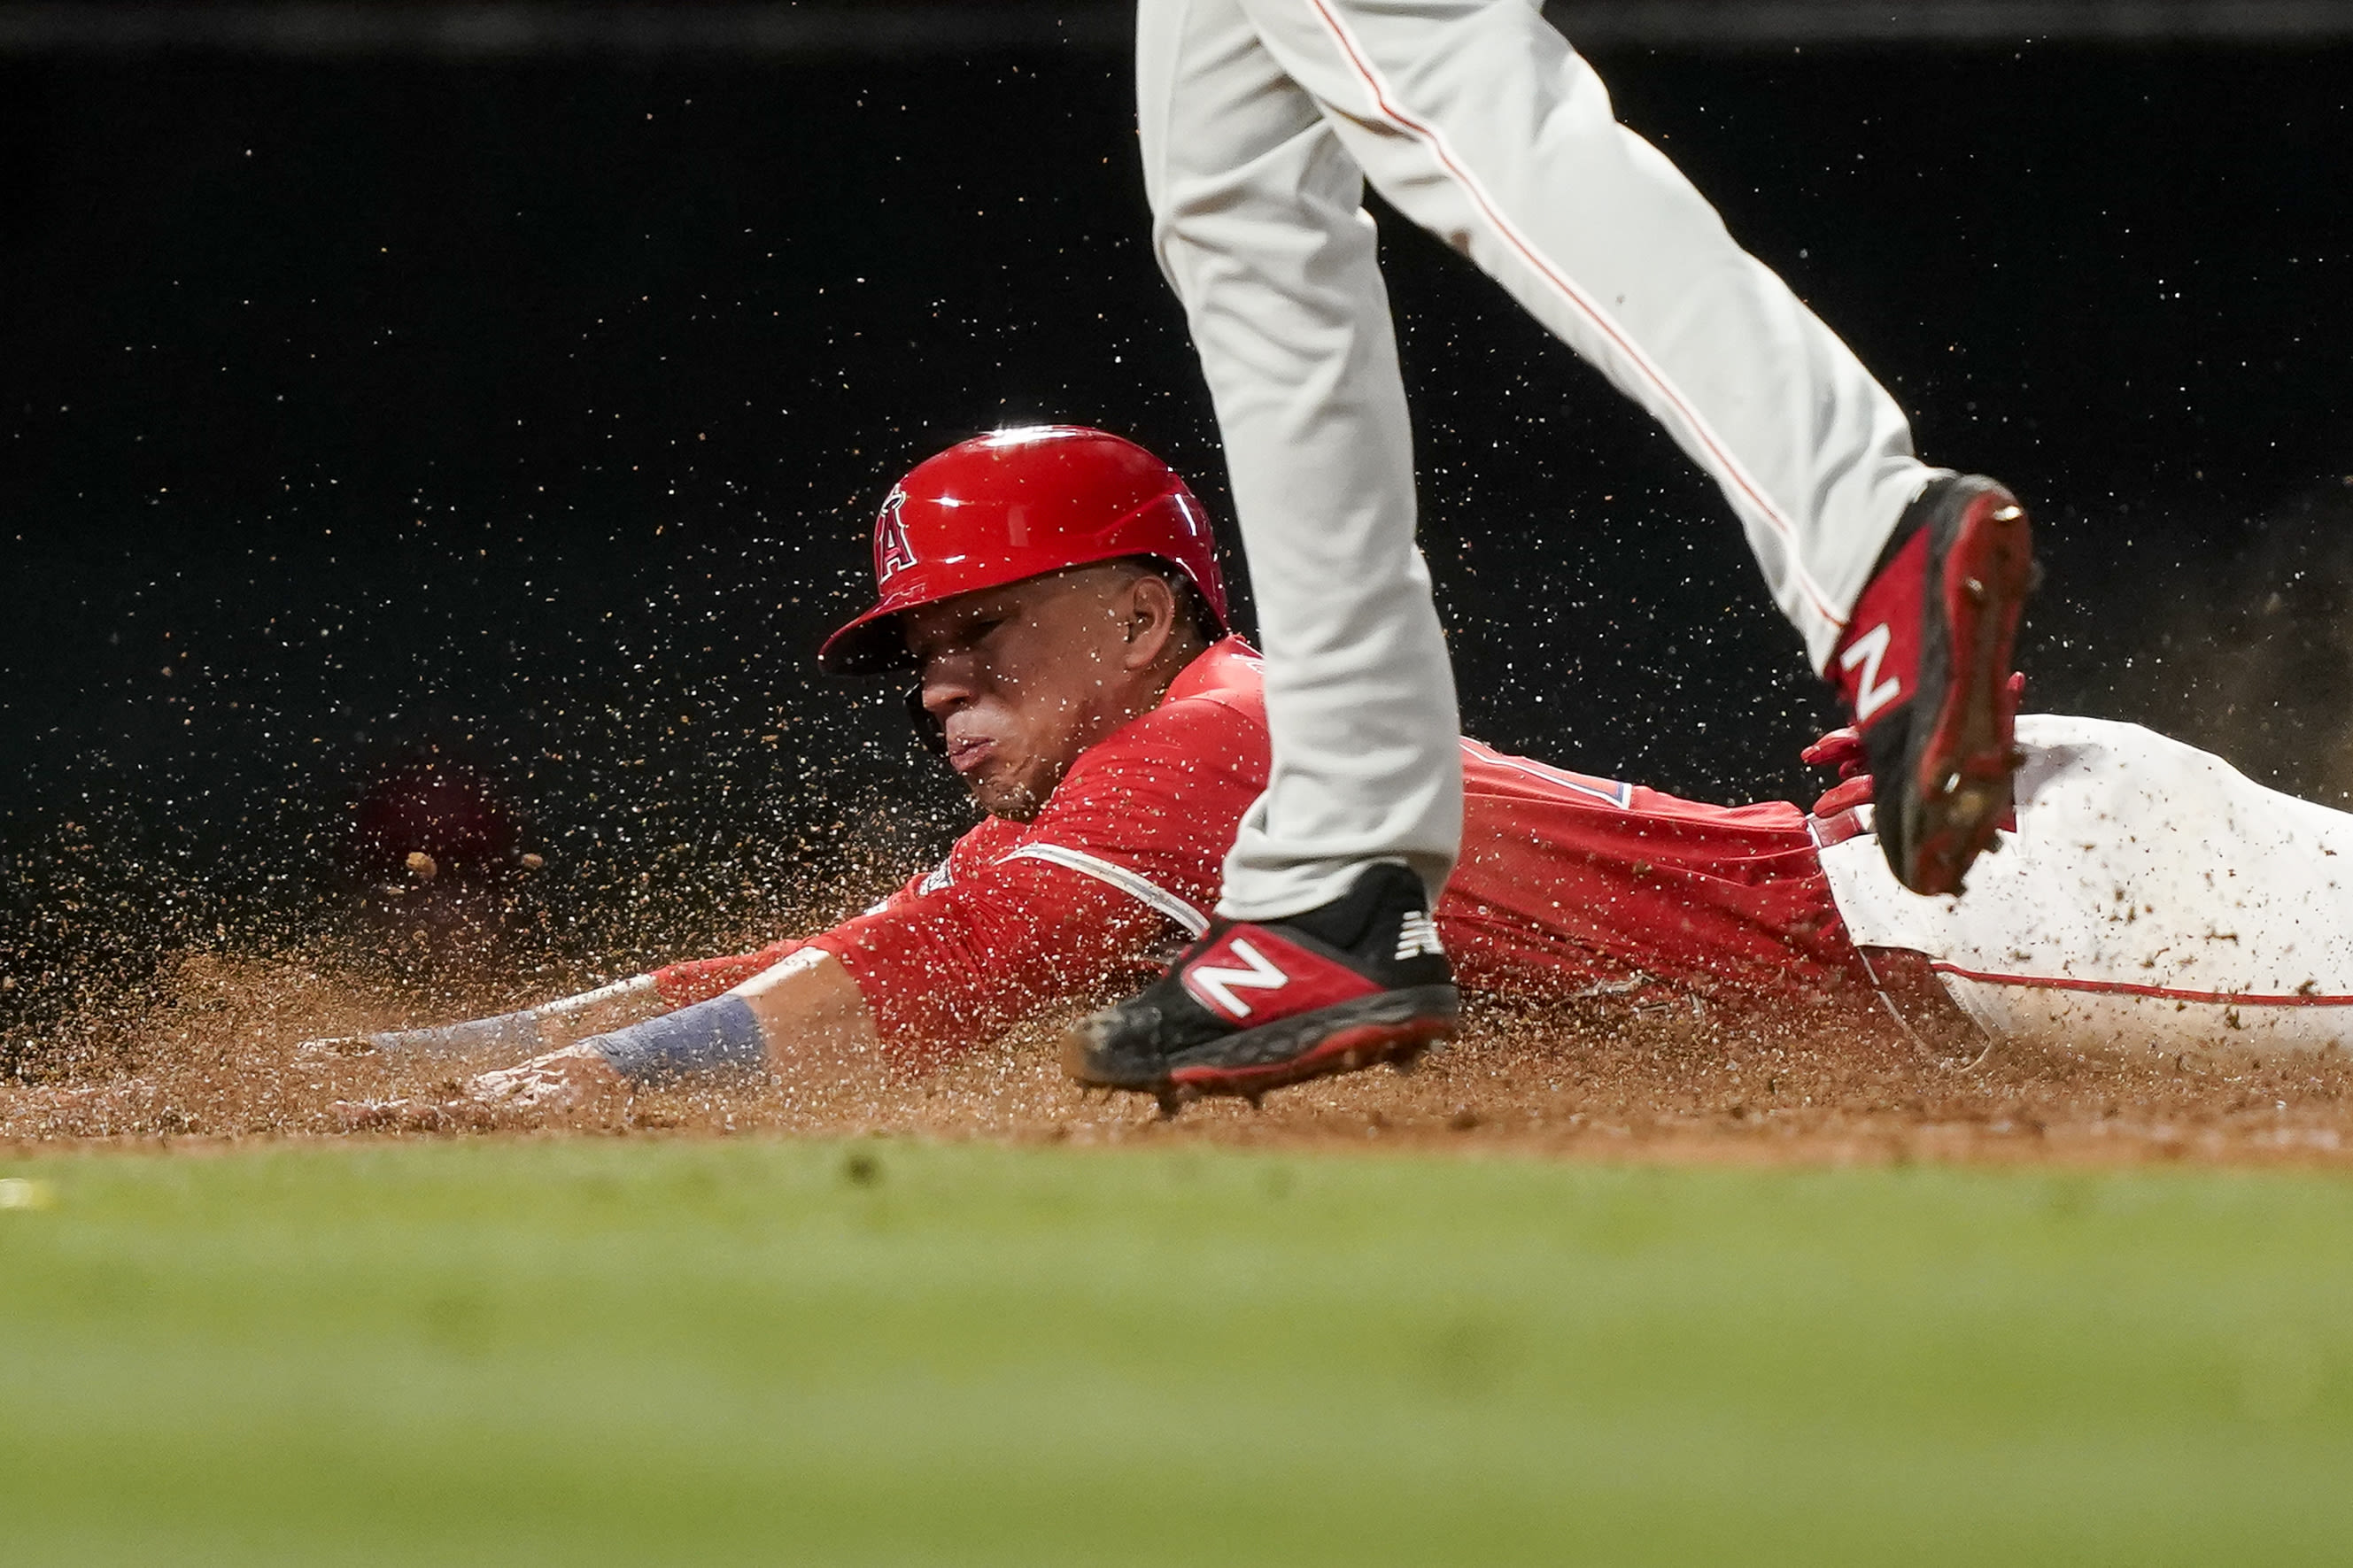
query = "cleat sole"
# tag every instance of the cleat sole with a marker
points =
(1343, 1037)
(1960, 772)
(1353, 1049)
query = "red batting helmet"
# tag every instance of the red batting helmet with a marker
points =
(1015, 504)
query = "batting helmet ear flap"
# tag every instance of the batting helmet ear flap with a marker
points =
(928, 728)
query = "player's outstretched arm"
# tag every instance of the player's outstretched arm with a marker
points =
(802, 1017)
(526, 1030)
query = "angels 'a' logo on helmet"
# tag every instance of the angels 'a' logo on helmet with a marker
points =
(892, 552)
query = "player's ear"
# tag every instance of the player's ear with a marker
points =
(1152, 614)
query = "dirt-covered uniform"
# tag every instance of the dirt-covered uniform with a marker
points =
(1568, 885)
(2149, 896)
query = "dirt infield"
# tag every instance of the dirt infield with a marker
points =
(211, 1058)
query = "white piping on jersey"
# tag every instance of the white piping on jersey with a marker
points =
(1585, 304)
(1621, 796)
(1142, 889)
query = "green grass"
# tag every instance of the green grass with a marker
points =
(708, 1352)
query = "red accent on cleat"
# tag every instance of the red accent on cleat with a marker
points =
(1876, 665)
(1252, 976)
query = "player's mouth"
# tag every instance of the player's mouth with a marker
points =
(968, 755)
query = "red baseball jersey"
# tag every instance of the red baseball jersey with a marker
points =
(1568, 886)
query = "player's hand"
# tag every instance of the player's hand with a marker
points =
(1841, 749)
(576, 1078)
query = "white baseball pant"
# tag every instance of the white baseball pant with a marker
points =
(1261, 121)
(2153, 898)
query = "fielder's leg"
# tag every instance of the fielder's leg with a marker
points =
(1259, 223)
(1324, 956)
(1481, 124)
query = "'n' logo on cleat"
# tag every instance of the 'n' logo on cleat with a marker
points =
(1871, 693)
(893, 551)
(1418, 934)
(1216, 984)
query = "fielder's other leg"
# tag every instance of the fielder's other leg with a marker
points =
(1479, 122)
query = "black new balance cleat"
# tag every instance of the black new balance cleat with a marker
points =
(1256, 1005)
(1925, 668)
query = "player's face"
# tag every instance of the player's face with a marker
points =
(1024, 678)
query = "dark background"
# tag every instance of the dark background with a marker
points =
(534, 411)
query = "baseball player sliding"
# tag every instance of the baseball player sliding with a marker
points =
(1053, 593)
(1261, 122)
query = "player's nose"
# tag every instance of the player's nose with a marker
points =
(948, 684)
